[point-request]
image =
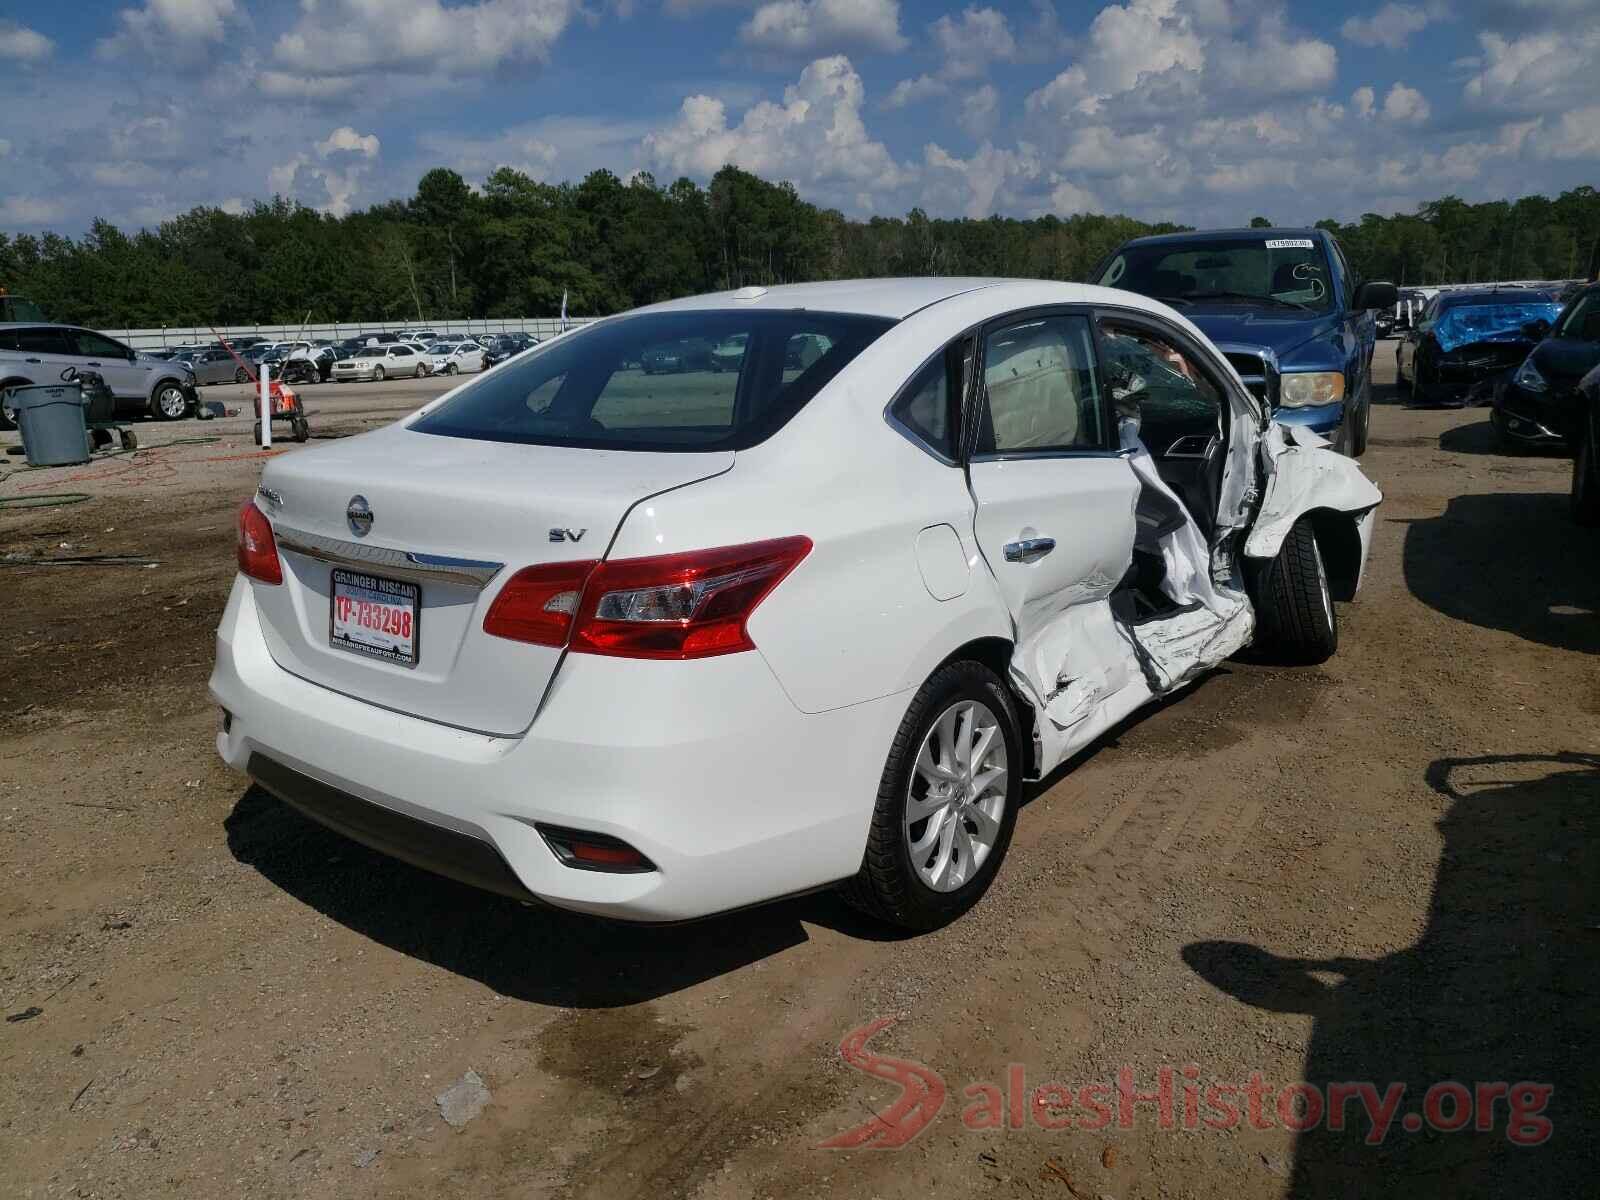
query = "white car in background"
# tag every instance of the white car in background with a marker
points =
(391, 361)
(655, 648)
(455, 358)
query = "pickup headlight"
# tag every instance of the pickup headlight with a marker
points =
(1528, 378)
(1303, 389)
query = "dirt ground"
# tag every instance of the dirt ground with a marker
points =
(1380, 870)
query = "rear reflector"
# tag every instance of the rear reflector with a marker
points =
(537, 604)
(258, 549)
(585, 851)
(672, 606)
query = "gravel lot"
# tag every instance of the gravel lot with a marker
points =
(1382, 870)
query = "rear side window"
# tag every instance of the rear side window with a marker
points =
(927, 409)
(697, 380)
(1041, 391)
(42, 340)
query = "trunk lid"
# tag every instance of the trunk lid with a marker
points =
(457, 518)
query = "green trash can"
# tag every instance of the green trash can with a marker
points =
(51, 417)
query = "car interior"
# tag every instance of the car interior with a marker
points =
(1179, 411)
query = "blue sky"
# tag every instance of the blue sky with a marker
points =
(1203, 111)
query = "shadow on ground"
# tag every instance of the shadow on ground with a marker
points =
(1512, 561)
(529, 953)
(1480, 438)
(1499, 990)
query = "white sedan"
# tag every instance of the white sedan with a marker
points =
(654, 647)
(383, 362)
(454, 358)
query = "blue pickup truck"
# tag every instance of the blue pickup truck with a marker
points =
(1285, 308)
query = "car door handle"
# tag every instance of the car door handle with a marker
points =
(1029, 549)
(33, 360)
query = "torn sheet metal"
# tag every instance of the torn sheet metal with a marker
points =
(1302, 475)
(1214, 617)
(1084, 670)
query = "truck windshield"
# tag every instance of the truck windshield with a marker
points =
(684, 380)
(1287, 272)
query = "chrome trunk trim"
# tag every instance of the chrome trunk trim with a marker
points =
(401, 564)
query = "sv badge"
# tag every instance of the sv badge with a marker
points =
(567, 535)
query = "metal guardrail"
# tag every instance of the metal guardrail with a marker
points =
(201, 335)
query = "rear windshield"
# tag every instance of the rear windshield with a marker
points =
(709, 380)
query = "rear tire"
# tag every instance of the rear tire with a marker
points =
(969, 832)
(1586, 472)
(377, 375)
(1295, 618)
(241, 376)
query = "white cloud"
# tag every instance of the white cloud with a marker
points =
(802, 27)
(234, 206)
(1363, 100)
(914, 91)
(1405, 105)
(816, 137)
(346, 140)
(170, 26)
(970, 44)
(22, 44)
(1391, 26)
(991, 180)
(30, 210)
(1574, 135)
(1538, 72)
(5, 147)
(291, 85)
(300, 178)
(980, 110)
(348, 37)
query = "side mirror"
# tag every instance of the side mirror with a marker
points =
(1536, 330)
(1376, 294)
(133, 356)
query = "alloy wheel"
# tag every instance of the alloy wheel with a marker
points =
(956, 796)
(172, 402)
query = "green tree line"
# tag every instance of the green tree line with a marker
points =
(513, 247)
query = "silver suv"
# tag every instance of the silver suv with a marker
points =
(44, 354)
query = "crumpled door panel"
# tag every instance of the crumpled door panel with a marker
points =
(1086, 669)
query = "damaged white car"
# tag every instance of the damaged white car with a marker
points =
(655, 647)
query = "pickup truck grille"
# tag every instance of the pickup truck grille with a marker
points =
(1252, 370)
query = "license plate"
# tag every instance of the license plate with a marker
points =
(373, 616)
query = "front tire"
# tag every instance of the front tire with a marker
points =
(1358, 435)
(1586, 472)
(947, 802)
(169, 403)
(1295, 619)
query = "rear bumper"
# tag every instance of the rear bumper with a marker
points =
(705, 767)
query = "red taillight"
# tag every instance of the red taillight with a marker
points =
(691, 605)
(537, 604)
(258, 550)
